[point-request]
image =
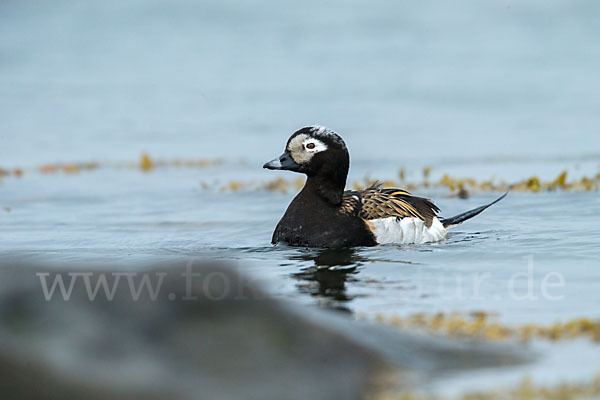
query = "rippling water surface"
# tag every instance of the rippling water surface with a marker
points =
(130, 216)
(482, 89)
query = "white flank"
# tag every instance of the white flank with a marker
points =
(407, 231)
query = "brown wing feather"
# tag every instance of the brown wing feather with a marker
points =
(376, 203)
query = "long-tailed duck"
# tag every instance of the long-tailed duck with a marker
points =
(323, 214)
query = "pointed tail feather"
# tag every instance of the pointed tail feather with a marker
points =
(460, 218)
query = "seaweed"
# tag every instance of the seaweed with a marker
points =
(485, 326)
(460, 187)
(524, 390)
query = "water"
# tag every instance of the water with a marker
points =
(494, 89)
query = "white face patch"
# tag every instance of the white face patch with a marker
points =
(302, 148)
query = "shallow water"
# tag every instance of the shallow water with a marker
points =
(164, 214)
(481, 90)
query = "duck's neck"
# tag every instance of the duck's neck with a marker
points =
(329, 186)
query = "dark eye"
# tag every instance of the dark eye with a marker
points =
(310, 146)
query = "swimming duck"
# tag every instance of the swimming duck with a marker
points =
(324, 214)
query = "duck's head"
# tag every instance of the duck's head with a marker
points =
(314, 150)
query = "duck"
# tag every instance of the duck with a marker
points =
(325, 214)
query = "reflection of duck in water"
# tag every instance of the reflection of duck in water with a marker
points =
(327, 278)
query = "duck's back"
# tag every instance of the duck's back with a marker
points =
(395, 215)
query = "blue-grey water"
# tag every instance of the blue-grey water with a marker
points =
(492, 89)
